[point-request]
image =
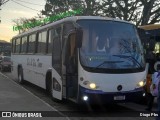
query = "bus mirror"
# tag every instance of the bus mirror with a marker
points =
(79, 36)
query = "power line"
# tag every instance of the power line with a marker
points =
(25, 6)
(29, 3)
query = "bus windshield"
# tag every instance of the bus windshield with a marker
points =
(110, 45)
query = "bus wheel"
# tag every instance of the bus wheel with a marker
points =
(51, 92)
(20, 76)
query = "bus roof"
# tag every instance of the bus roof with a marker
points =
(150, 27)
(67, 19)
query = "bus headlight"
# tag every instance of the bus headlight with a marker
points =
(85, 98)
(141, 83)
(92, 85)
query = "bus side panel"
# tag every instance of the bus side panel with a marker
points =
(14, 67)
(34, 68)
(57, 93)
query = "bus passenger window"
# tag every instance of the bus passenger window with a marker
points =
(13, 46)
(57, 41)
(31, 45)
(24, 44)
(42, 42)
(17, 45)
(66, 29)
(50, 41)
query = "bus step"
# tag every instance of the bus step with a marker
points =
(73, 100)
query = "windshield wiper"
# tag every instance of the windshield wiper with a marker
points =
(104, 62)
(126, 57)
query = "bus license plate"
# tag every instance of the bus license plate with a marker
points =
(119, 97)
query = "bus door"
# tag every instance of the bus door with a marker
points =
(71, 68)
(57, 64)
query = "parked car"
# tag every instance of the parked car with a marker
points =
(5, 63)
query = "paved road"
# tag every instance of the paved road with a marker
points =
(129, 111)
(14, 97)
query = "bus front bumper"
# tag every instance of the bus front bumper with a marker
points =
(99, 97)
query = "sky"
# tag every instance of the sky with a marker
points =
(13, 10)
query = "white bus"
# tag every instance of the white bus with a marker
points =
(85, 59)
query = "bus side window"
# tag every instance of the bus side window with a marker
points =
(17, 49)
(24, 44)
(42, 39)
(13, 45)
(56, 62)
(31, 45)
(50, 41)
(66, 29)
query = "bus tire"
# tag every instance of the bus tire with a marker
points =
(20, 76)
(51, 92)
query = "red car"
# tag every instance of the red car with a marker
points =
(5, 63)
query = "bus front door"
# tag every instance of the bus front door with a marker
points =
(56, 63)
(71, 68)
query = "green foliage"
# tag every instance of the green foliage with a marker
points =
(140, 12)
(53, 7)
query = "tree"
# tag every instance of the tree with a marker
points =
(151, 11)
(53, 7)
(25, 24)
(141, 12)
(19, 22)
(3, 2)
